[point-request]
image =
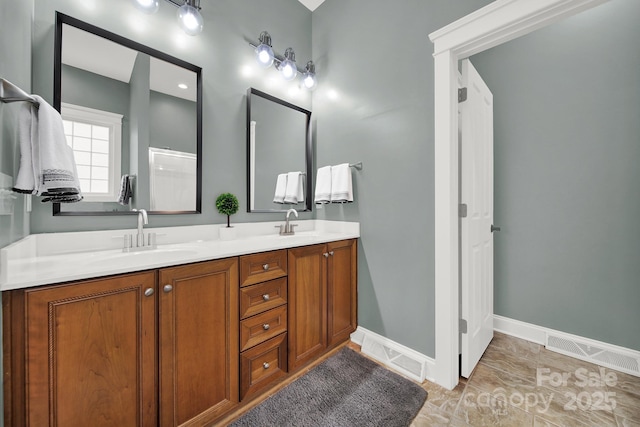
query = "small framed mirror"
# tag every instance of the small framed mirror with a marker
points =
(278, 147)
(133, 116)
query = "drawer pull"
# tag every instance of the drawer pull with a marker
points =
(167, 288)
(265, 267)
(266, 326)
(266, 297)
(326, 254)
(148, 292)
(265, 365)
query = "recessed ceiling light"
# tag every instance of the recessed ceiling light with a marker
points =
(183, 86)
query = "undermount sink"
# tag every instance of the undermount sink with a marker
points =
(145, 256)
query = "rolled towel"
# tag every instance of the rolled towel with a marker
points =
(323, 185)
(47, 165)
(295, 191)
(341, 186)
(125, 190)
(281, 187)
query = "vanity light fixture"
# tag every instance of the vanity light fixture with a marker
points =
(189, 16)
(285, 64)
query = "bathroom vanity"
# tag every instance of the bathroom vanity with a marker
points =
(180, 343)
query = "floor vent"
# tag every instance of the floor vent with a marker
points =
(395, 356)
(598, 354)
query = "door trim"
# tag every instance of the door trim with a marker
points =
(492, 25)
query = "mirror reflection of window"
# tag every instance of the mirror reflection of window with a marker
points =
(96, 139)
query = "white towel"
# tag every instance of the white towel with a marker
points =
(323, 185)
(341, 186)
(47, 165)
(295, 190)
(281, 187)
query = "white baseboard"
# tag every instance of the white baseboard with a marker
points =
(597, 352)
(401, 358)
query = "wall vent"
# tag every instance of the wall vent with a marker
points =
(599, 354)
(395, 356)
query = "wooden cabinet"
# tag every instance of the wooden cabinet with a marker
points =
(342, 297)
(127, 350)
(322, 299)
(263, 320)
(89, 356)
(198, 332)
(177, 346)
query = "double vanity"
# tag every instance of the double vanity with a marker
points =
(177, 335)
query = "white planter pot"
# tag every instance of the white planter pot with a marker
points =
(227, 233)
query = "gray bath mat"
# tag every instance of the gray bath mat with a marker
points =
(345, 390)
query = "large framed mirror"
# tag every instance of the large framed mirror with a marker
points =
(278, 147)
(133, 116)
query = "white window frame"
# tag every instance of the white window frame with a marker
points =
(113, 121)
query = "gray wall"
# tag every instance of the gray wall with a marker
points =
(178, 133)
(229, 68)
(374, 103)
(15, 66)
(567, 145)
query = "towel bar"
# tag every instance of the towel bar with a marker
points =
(12, 93)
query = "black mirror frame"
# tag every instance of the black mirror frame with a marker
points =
(308, 150)
(62, 19)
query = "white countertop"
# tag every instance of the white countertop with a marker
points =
(41, 259)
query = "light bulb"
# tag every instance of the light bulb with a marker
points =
(265, 56)
(264, 52)
(309, 77)
(190, 19)
(147, 6)
(288, 66)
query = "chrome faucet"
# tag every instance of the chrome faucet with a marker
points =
(141, 241)
(142, 220)
(287, 229)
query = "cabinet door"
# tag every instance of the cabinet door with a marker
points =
(91, 353)
(198, 342)
(342, 290)
(307, 304)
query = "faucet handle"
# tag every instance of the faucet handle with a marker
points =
(291, 228)
(279, 227)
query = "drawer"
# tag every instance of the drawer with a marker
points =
(262, 365)
(255, 299)
(261, 327)
(261, 267)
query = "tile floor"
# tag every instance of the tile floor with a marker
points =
(518, 383)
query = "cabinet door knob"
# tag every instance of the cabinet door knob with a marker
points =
(266, 297)
(265, 365)
(326, 254)
(167, 288)
(148, 292)
(331, 253)
(265, 267)
(266, 326)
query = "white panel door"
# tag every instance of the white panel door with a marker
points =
(476, 191)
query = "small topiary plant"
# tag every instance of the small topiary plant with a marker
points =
(227, 204)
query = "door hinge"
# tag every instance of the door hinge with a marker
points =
(462, 210)
(463, 326)
(462, 94)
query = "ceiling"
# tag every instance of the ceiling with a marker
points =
(311, 4)
(80, 48)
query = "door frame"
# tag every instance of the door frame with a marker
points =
(492, 25)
